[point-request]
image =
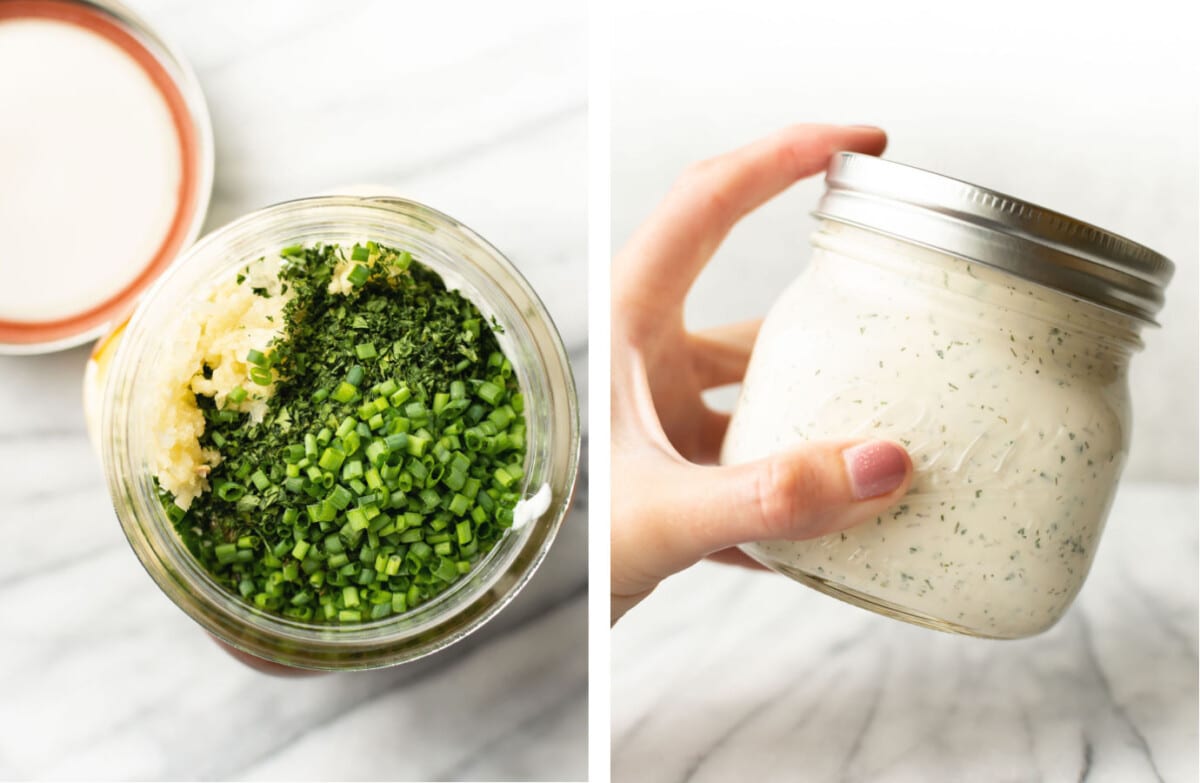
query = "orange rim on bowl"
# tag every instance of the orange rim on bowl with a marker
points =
(175, 85)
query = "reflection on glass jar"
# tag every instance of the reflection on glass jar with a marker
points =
(1011, 397)
(528, 338)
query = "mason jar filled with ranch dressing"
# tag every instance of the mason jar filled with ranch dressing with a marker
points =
(990, 337)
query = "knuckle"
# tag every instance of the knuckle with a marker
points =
(702, 177)
(790, 497)
(778, 496)
(704, 187)
(717, 205)
(789, 159)
(635, 321)
(697, 172)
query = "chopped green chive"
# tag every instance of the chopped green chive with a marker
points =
(358, 275)
(490, 393)
(331, 459)
(345, 392)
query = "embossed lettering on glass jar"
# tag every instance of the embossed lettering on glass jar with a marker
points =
(991, 338)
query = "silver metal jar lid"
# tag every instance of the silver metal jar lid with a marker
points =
(977, 224)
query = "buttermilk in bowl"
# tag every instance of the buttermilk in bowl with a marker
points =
(338, 438)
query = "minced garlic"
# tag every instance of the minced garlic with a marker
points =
(218, 333)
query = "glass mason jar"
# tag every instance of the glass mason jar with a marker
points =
(992, 339)
(466, 262)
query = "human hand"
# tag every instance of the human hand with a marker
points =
(671, 505)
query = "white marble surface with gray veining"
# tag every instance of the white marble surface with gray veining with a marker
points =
(478, 109)
(729, 674)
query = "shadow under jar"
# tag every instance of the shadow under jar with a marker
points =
(528, 338)
(992, 339)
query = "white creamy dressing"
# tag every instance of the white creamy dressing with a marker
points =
(90, 169)
(530, 509)
(1011, 399)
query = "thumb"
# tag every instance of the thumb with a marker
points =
(806, 492)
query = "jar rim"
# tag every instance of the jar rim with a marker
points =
(489, 280)
(989, 227)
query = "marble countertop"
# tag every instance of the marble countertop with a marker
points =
(727, 674)
(101, 677)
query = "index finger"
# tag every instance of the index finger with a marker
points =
(663, 258)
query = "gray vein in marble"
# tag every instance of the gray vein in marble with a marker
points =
(476, 148)
(878, 682)
(283, 34)
(673, 626)
(458, 770)
(8, 436)
(40, 496)
(1027, 729)
(1150, 608)
(1088, 752)
(502, 762)
(450, 158)
(1089, 649)
(71, 639)
(750, 713)
(57, 567)
(796, 689)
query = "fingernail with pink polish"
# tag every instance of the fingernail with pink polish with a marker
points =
(875, 468)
